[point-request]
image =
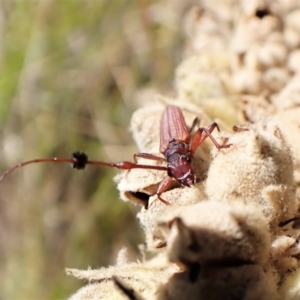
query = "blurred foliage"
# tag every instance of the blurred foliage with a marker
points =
(71, 73)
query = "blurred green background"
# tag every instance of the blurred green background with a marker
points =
(71, 74)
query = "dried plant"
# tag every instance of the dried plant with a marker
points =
(234, 234)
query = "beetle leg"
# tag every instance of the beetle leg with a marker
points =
(126, 165)
(239, 129)
(195, 123)
(147, 156)
(163, 186)
(203, 133)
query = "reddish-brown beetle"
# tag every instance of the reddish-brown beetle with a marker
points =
(176, 144)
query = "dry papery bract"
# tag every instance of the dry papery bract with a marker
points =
(201, 79)
(289, 96)
(253, 108)
(258, 168)
(289, 123)
(290, 290)
(285, 253)
(238, 267)
(238, 234)
(249, 282)
(221, 249)
(178, 197)
(142, 279)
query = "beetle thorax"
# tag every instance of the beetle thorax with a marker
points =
(178, 156)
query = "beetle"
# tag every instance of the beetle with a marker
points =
(177, 145)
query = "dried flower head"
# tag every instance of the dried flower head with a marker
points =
(237, 233)
(221, 249)
(224, 237)
(258, 168)
(138, 280)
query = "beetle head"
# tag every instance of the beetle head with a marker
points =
(183, 171)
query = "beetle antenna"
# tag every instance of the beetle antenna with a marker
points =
(79, 160)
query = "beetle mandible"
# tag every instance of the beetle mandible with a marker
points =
(176, 144)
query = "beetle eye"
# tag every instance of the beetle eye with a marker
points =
(188, 159)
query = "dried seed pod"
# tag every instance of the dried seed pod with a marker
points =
(222, 249)
(138, 185)
(290, 289)
(289, 123)
(283, 7)
(253, 108)
(179, 197)
(141, 280)
(203, 30)
(250, 59)
(291, 38)
(237, 233)
(247, 81)
(272, 55)
(248, 282)
(275, 79)
(294, 61)
(284, 252)
(292, 19)
(257, 169)
(289, 96)
(251, 30)
(199, 85)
